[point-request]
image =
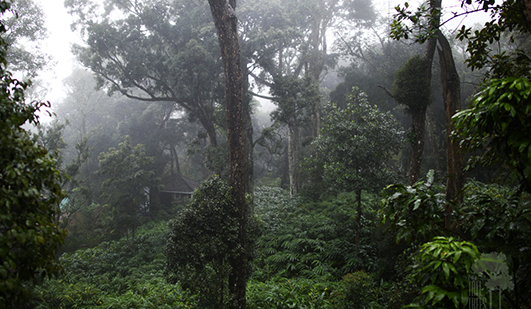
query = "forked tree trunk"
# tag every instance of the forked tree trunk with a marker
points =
(452, 103)
(224, 16)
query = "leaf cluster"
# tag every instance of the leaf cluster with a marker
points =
(442, 270)
(512, 18)
(416, 212)
(110, 275)
(509, 19)
(295, 98)
(318, 239)
(411, 88)
(128, 172)
(496, 124)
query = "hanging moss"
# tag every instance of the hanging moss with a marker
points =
(411, 87)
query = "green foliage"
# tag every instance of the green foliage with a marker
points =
(355, 146)
(25, 34)
(358, 291)
(319, 239)
(128, 175)
(295, 98)
(295, 293)
(411, 87)
(416, 212)
(497, 124)
(175, 60)
(509, 23)
(200, 242)
(497, 218)
(510, 19)
(29, 192)
(442, 270)
(112, 276)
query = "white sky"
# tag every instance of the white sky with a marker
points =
(58, 46)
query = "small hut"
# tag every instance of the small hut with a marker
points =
(176, 188)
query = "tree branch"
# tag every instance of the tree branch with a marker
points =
(387, 91)
(261, 96)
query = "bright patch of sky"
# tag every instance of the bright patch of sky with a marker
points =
(58, 46)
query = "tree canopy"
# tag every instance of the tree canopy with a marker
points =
(355, 145)
(152, 51)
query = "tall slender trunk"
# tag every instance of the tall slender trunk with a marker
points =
(248, 136)
(418, 128)
(211, 132)
(432, 139)
(226, 23)
(452, 103)
(358, 219)
(175, 160)
(293, 162)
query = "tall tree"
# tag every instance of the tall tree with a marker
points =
(226, 23)
(154, 51)
(287, 40)
(355, 147)
(412, 89)
(433, 10)
(296, 100)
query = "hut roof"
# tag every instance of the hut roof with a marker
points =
(179, 184)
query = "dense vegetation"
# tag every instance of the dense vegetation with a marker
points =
(302, 259)
(345, 195)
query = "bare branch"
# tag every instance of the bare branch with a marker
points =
(387, 91)
(261, 96)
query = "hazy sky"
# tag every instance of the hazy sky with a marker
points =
(58, 46)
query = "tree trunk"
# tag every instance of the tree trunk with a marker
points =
(418, 128)
(358, 219)
(211, 132)
(174, 160)
(432, 139)
(248, 125)
(293, 162)
(224, 16)
(452, 103)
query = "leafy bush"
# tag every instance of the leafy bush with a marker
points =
(282, 293)
(112, 276)
(318, 239)
(497, 218)
(201, 241)
(442, 271)
(358, 290)
(416, 212)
